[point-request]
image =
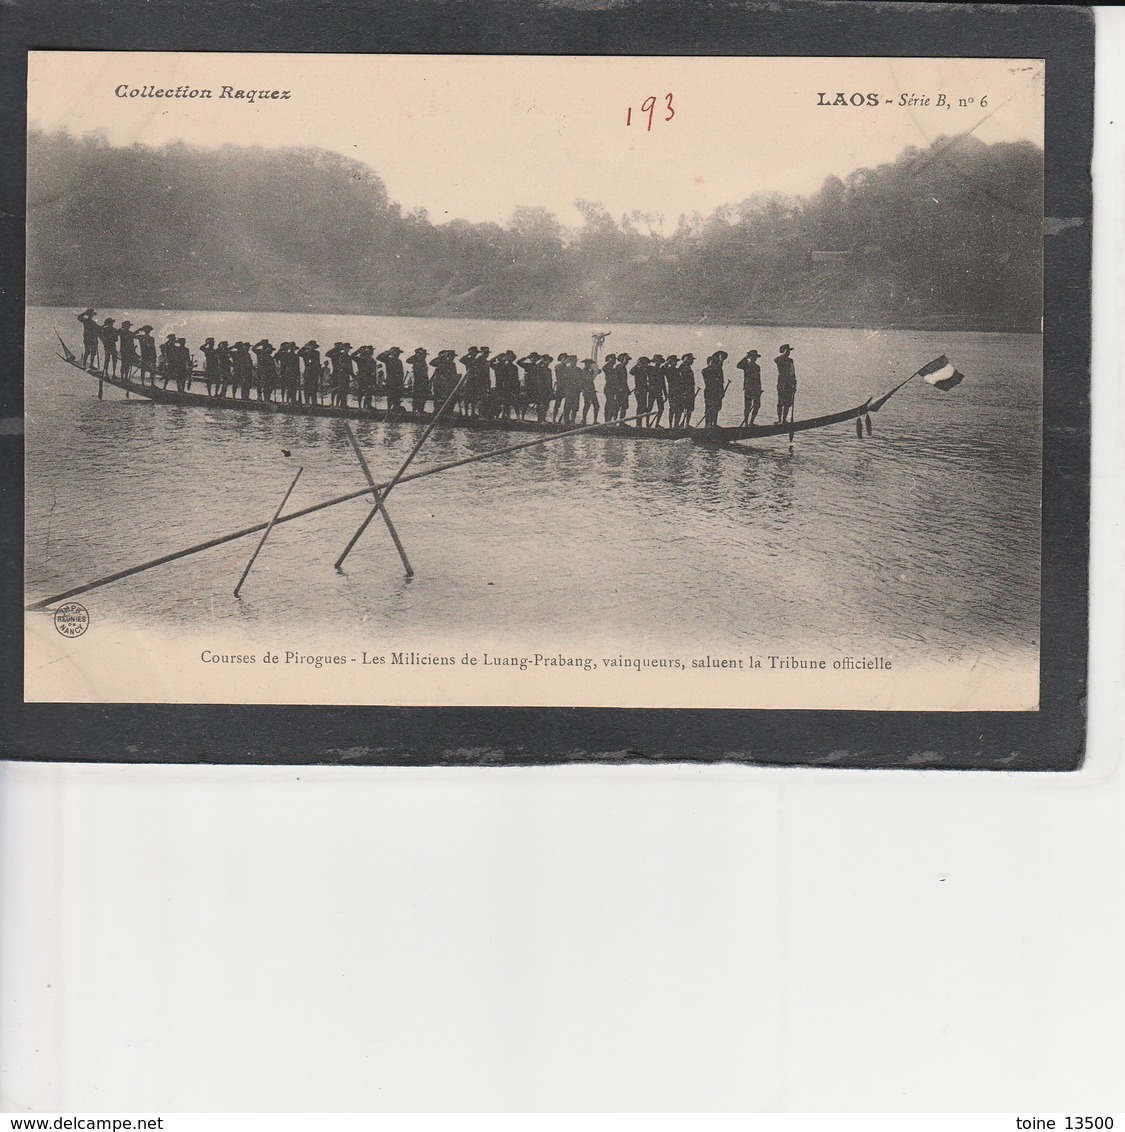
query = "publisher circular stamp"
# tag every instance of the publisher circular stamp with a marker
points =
(72, 619)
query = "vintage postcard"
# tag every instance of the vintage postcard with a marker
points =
(525, 381)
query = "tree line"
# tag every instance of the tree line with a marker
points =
(947, 237)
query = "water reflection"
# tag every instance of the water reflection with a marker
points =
(614, 453)
(443, 441)
(712, 488)
(242, 423)
(862, 465)
(779, 479)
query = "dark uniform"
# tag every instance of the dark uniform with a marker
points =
(714, 387)
(288, 372)
(211, 377)
(109, 346)
(419, 380)
(366, 374)
(226, 366)
(507, 383)
(341, 358)
(183, 365)
(148, 353)
(243, 366)
(622, 382)
(640, 374)
(309, 353)
(609, 372)
(566, 395)
(91, 337)
(657, 390)
(484, 383)
(544, 386)
(751, 386)
(168, 359)
(529, 391)
(445, 376)
(786, 383)
(396, 377)
(267, 369)
(685, 376)
(477, 380)
(469, 361)
(127, 337)
(563, 394)
(673, 390)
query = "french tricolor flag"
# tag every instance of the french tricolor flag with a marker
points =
(940, 372)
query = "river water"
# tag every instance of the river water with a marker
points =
(920, 541)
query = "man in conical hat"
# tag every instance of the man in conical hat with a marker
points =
(147, 345)
(714, 388)
(127, 337)
(91, 338)
(420, 388)
(786, 382)
(751, 386)
(342, 372)
(394, 374)
(313, 372)
(109, 346)
(210, 354)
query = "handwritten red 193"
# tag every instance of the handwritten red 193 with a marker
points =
(649, 107)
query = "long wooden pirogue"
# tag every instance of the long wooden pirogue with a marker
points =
(707, 437)
(726, 438)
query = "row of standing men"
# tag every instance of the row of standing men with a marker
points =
(491, 387)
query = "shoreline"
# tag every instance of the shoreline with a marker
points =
(606, 322)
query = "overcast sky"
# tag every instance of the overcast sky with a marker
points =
(477, 136)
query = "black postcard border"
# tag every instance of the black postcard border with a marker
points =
(1051, 739)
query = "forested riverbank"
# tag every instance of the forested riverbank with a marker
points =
(947, 237)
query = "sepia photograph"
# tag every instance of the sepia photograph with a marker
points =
(564, 556)
(520, 381)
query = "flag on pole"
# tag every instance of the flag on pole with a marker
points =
(940, 372)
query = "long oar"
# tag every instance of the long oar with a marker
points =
(380, 496)
(379, 502)
(219, 540)
(266, 532)
(721, 400)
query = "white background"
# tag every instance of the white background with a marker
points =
(179, 939)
